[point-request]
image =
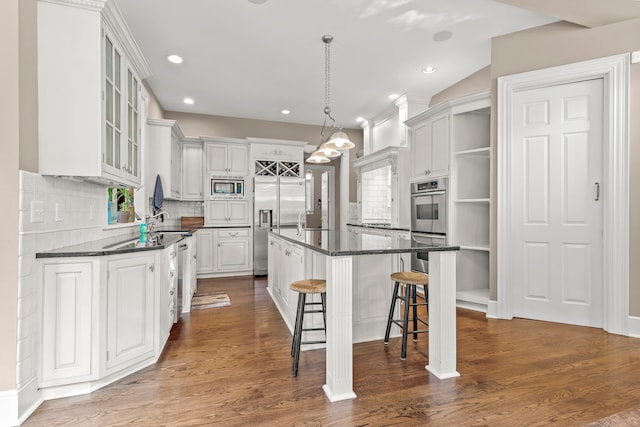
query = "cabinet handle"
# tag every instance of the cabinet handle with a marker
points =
(218, 244)
(152, 267)
(597, 191)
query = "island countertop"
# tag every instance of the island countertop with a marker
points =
(342, 243)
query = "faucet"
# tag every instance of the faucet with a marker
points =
(299, 233)
(151, 225)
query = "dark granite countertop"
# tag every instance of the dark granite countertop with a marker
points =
(378, 226)
(117, 245)
(337, 243)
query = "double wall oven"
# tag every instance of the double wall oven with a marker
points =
(428, 218)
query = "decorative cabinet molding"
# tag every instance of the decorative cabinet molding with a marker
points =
(79, 86)
(165, 156)
(224, 251)
(192, 170)
(225, 158)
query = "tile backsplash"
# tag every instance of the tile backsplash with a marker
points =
(376, 195)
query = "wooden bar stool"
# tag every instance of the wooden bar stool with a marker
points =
(304, 287)
(410, 280)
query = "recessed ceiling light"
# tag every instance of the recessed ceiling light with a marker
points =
(285, 112)
(360, 119)
(429, 70)
(174, 59)
(393, 96)
(441, 36)
(188, 101)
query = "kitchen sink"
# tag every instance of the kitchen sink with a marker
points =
(130, 244)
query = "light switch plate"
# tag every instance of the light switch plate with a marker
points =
(635, 57)
(37, 211)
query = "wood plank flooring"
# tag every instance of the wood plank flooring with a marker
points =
(230, 366)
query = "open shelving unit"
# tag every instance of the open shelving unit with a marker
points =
(470, 204)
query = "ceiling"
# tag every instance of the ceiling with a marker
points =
(248, 60)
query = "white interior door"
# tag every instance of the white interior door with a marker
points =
(556, 203)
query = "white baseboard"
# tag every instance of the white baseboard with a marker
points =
(17, 405)
(634, 327)
(492, 309)
(9, 408)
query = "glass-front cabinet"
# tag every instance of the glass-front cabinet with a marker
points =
(91, 102)
(121, 115)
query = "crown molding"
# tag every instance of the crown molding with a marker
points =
(95, 5)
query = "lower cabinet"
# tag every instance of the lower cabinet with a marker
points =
(69, 301)
(286, 264)
(103, 318)
(130, 310)
(222, 251)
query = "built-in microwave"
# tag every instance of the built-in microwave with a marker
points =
(227, 188)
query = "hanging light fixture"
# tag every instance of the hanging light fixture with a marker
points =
(338, 140)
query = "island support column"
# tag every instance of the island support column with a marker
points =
(339, 349)
(442, 314)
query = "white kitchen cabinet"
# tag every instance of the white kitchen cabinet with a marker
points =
(226, 159)
(223, 252)
(430, 144)
(226, 212)
(189, 275)
(286, 265)
(130, 309)
(192, 170)
(70, 297)
(165, 156)
(168, 292)
(233, 250)
(91, 102)
(205, 244)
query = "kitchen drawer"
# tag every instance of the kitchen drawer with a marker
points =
(234, 233)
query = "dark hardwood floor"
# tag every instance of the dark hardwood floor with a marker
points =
(230, 366)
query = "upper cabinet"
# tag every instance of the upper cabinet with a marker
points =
(429, 135)
(165, 156)
(226, 157)
(192, 169)
(91, 102)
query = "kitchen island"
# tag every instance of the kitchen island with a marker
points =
(331, 255)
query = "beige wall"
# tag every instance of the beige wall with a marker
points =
(10, 125)
(477, 82)
(231, 127)
(155, 109)
(560, 44)
(555, 44)
(28, 85)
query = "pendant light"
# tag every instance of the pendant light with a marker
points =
(338, 140)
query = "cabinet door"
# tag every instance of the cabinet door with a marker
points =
(67, 324)
(238, 212)
(216, 159)
(192, 171)
(130, 310)
(216, 212)
(439, 144)
(176, 161)
(131, 148)
(237, 160)
(419, 147)
(232, 254)
(204, 248)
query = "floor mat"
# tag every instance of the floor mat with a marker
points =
(200, 302)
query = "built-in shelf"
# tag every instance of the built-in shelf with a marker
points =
(482, 151)
(470, 190)
(482, 248)
(472, 200)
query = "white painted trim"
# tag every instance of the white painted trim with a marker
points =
(614, 71)
(345, 168)
(83, 4)
(9, 408)
(492, 309)
(634, 327)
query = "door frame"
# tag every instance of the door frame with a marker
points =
(614, 70)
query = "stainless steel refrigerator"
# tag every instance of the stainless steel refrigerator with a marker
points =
(278, 202)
